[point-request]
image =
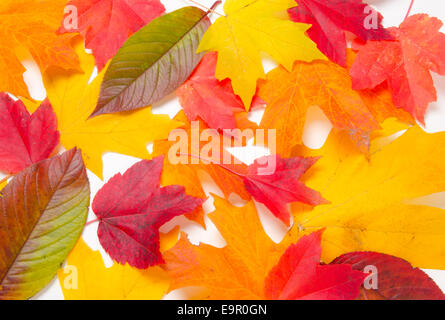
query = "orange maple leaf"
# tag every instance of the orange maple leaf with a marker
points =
(329, 86)
(238, 270)
(28, 27)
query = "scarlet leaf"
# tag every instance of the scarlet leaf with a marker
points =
(395, 279)
(106, 24)
(275, 182)
(24, 138)
(331, 18)
(299, 275)
(405, 64)
(131, 209)
(214, 101)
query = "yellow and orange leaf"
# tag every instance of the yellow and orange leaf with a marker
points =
(236, 271)
(374, 204)
(28, 27)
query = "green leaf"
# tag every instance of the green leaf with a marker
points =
(153, 62)
(42, 214)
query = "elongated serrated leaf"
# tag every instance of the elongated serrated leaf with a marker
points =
(153, 62)
(42, 213)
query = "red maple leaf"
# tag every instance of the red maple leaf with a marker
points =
(107, 24)
(405, 63)
(395, 278)
(214, 101)
(275, 182)
(331, 18)
(24, 138)
(299, 275)
(132, 207)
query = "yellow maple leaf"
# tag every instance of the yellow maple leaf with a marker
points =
(73, 100)
(236, 271)
(374, 204)
(86, 278)
(249, 28)
(29, 27)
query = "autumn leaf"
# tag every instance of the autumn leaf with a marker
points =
(321, 83)
(86, 278)
(132, 207)
(25, 139)
(331, 18)
(38, 230)
(73, 99)
(238, 270)
(251, 266)
(275, 182)
(299, 275)
(373, 202)
(394, 278)
(106, 24)
(153, 62)
(189, 157)
(405, 64)
(249, 28)
(213, 101)
(29, 27)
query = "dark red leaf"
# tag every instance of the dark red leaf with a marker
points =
(131, 209)
(396, 278)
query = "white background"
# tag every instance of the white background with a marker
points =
(316, 130)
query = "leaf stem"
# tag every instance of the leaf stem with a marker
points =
(211, 9)
(409, 9)
(214, 162)
(90, 222)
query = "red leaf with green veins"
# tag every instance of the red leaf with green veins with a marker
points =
(405, 64)
(395, 279)
(331, 18)
(275, 182)
(132, 207)
(299, 275)
(106, 24)
(24, 138)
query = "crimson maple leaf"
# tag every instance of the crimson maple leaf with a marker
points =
(331, 18)
(132, 207)
(299, 275)
(107, 24)
(405, 64)
(275, 182)
(214, 101)
(24, 138)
